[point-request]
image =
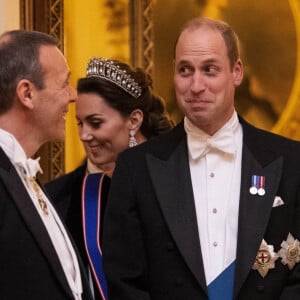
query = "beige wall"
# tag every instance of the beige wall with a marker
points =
(9, 15)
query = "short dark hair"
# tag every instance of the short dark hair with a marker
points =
(230, 37)
(19, 59)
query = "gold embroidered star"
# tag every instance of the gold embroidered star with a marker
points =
(290, 251)
(265, 259)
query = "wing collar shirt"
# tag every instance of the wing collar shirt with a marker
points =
(215, 165)
(27, 169)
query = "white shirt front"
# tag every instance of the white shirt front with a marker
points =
(216, 180)
(52, 222)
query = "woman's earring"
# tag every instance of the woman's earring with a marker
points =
(132, 139)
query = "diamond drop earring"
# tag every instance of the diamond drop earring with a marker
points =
(132, 139)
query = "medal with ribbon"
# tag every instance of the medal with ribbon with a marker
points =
(261, 185)
(257, 185)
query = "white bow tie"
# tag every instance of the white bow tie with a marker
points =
(200, 145)
(30, 166)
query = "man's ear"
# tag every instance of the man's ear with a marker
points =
(238, 72)
(136, 119)
(24, 93)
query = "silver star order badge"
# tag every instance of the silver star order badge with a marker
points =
(290, 251)
(265, 259)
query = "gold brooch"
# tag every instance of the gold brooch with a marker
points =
(41, 200)
(290, 251)
(265, 259)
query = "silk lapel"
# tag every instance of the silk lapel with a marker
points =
(254, 212)
(27, 210)
(172, 184)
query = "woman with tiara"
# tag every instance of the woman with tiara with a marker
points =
(115, 110)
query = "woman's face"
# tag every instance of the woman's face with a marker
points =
(102, 129)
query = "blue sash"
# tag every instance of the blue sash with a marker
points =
(91, 215)
(222, 287)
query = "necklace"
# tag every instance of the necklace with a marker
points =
(41, 200)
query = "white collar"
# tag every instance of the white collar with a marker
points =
(225, 139)
(16, 154)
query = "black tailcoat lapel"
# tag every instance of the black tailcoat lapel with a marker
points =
(31, 217)
(254, 211)
(172, 183)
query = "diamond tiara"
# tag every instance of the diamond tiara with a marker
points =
(108, 70)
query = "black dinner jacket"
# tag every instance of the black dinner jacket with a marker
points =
(29, 265)
(66, 194)
(151, 243)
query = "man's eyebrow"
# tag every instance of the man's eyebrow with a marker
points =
(183, 62)
(210, 60)
(205, 61)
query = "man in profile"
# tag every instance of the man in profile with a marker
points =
(38, 260)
